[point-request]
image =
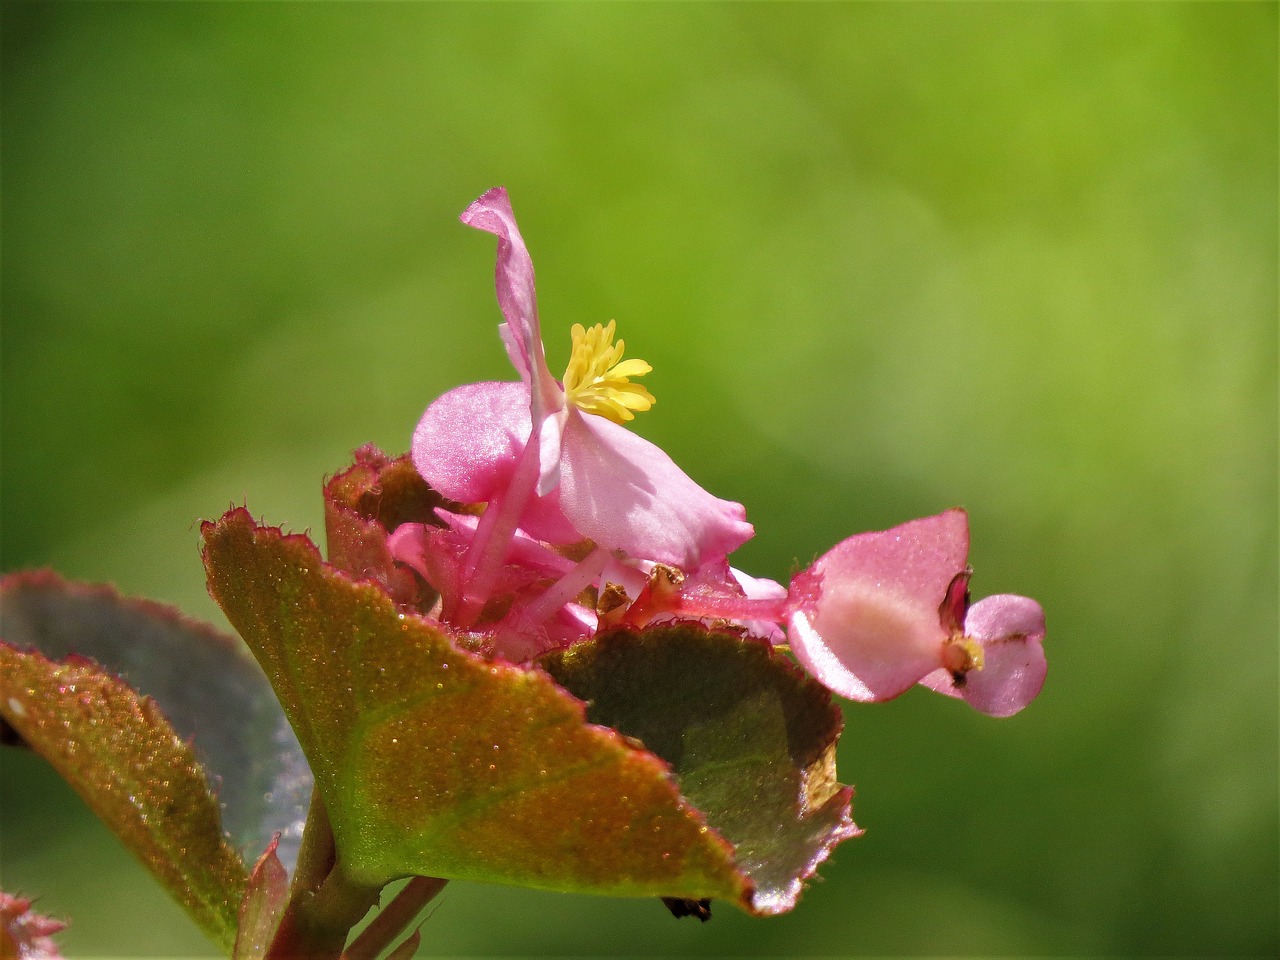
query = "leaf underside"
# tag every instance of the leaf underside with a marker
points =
(208, 686)
(434, 762)
(119, 752)
(750, 737)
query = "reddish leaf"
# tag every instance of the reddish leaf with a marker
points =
(209, 687)
(121, 755)
(263, 905)
(432, 761)
(366, 502)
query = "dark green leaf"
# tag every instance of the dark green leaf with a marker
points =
(750, 737)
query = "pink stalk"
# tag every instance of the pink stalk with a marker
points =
(565, 590)
(773, 610)
(494, 532)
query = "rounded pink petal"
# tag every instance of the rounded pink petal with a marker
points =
(626, 494)
(1010, 629)
(1002, 616)
(865, 643)
(865, 617)
(467, 446)
(468, 442)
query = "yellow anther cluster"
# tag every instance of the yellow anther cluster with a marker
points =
(597, 378)
(960, 655)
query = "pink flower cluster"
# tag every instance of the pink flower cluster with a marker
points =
(586, 526)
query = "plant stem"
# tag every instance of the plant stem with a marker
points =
(324, 904)
(316, 853)
(393, 918)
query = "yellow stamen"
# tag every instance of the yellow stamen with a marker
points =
(596, 380)
(959, 656)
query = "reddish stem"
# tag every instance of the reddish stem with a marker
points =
(393, 918)
(323, 905)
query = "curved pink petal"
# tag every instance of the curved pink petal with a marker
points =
(865, 617)
(1010, 629)
(513, 278)
(469, 440)
(626, 494)
(407, 544)
(761, 588)
(1004, 615)
(467, 446)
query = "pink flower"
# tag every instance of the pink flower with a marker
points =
(881, 612)
(552, 458)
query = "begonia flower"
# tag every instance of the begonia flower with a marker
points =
(883, 611)
(552, 458)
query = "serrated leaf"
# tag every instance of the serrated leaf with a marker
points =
(750, 737)
(121, 755)
(434, 762)
(209, 687)
(362, 505)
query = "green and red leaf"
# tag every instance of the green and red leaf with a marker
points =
(208, 686)
(366, 502)
(122, 756)
(432, 761)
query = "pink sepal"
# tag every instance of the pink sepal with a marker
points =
(865, 617)
(625, 493)
(1010, 630)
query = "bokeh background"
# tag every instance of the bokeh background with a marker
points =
(884, 259)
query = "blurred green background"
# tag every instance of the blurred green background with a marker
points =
(884, 259)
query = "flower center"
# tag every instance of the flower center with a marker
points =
(960, 655)
(597, 379)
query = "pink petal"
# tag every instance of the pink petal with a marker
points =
(626, 494)
(513, 276)
(758, 588)
(865, 619)
(761, 588)
(407, 544)
(468, 442)
(1010, 630)
(467, 446)
(525, 551)
(28, 934)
